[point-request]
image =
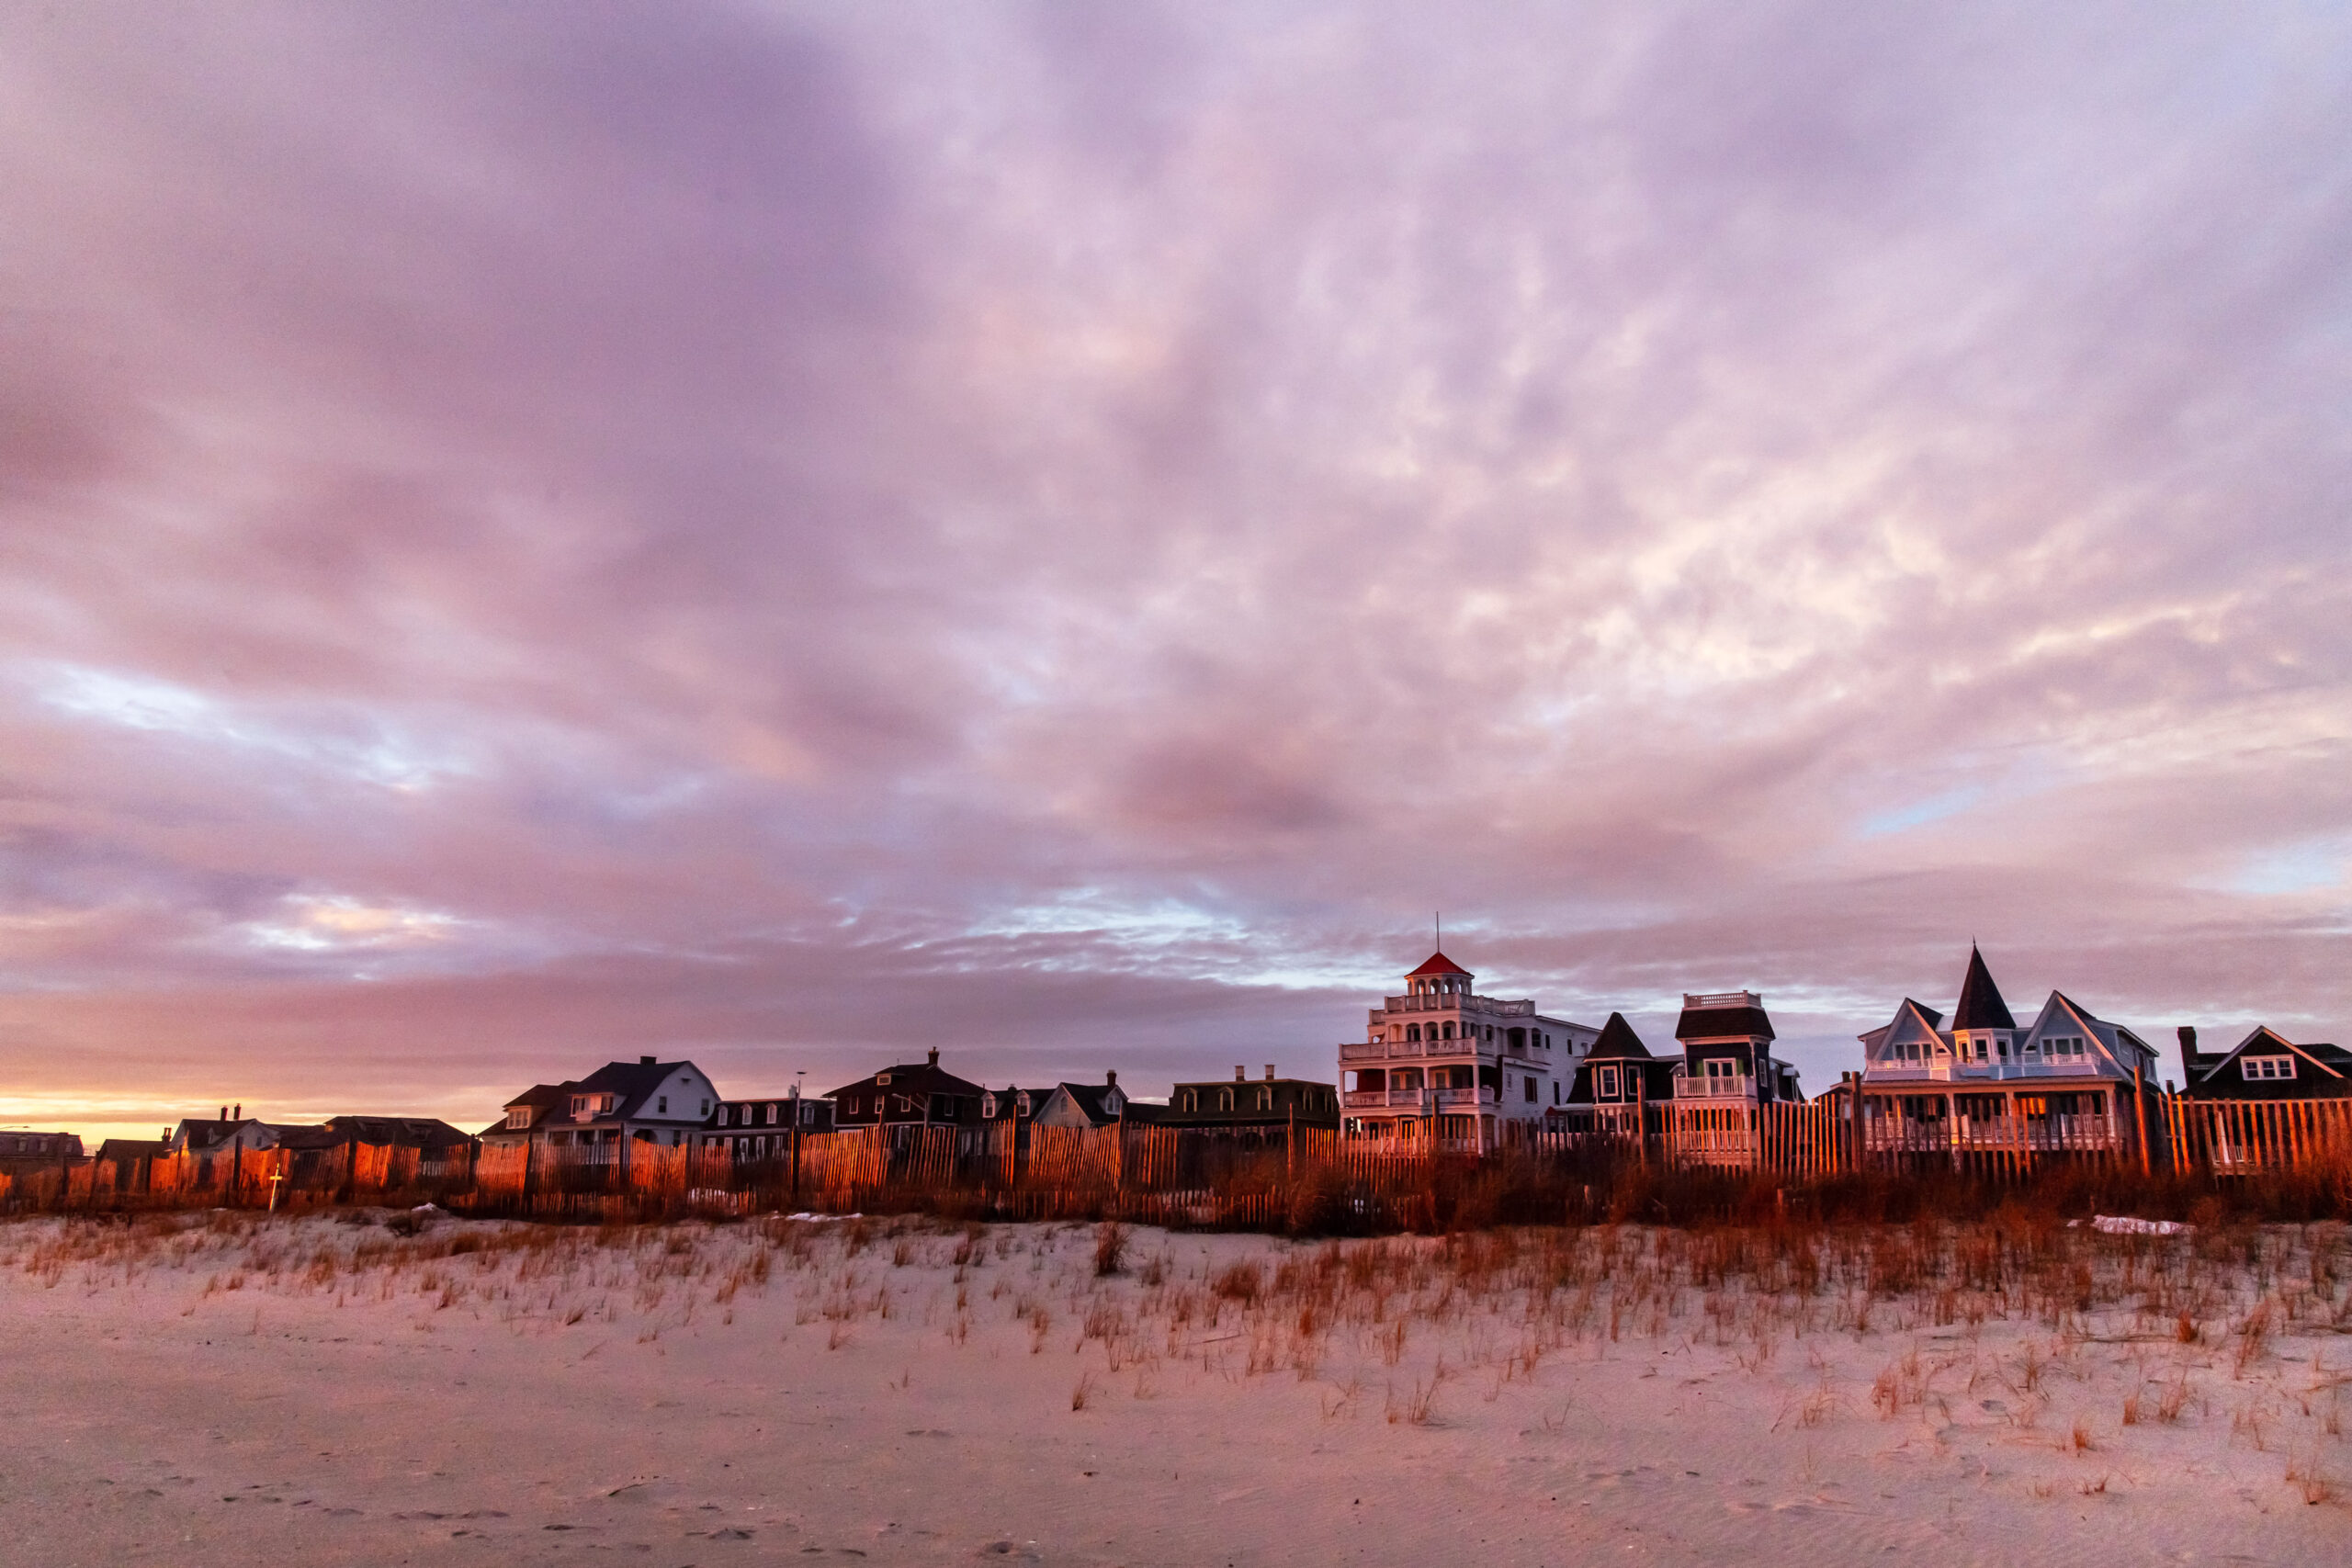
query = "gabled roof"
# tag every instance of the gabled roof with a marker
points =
(631, 1084)
(2332, 1059)
(1934, 1018)
(1716, 1023)
(929, 1077)
(545, 1096)
(421, 1131)
(1089, 1098)
(1981, 1005)
(1439, 963)
(1618, 1041)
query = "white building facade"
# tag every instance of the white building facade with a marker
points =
(1443, 1061)
(2068, 1081)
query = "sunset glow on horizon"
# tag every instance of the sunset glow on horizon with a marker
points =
(789, 535)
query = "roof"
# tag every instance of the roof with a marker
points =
(1089, 1098)
(1439, 963)
(134, 1149)
(1934, 1018)
(1716, 1023)
(929, 1075)
(1981, 1005)
(2330, 1058)
(1617, 1039)
(544, 1095)
(424, 1132)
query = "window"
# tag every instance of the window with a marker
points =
(1449, 1031)
(1556, 1091)
(1192, 1100)
(1722, 1074)
(1604, 1083)
(519, 1117)
(662, 1105)
(882, 1080)
(772, 1110)
(1530, 1089)
(705, 1110)
(2259, 1067)
(988, 1107)
(1265, 1099)
(1413, 1033)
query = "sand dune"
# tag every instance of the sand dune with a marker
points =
(307, 1391)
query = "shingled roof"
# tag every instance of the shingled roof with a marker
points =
(1981, 1005)
(1618, 1041)
(1723, 1023)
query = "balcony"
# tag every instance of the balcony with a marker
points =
(1413, 1050)
(1739, 1088)
(1456, 1001)
(1422, 1101)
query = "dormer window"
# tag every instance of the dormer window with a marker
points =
(519, 1116)
(988, 1107)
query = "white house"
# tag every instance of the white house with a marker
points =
(1445, 1061)
(2064, 1082)
(645, 1101)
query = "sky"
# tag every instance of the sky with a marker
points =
(791, 535)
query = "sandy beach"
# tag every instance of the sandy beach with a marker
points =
(224, 1389)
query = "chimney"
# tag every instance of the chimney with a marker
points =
(224, 1113)
(1241, 1075)
(2188, 1050)
(1110, 1079)
(934, 1055)
(645, 1061)
(1270, 1072)
(241, 1112)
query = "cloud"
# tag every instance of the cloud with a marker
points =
(799, 534)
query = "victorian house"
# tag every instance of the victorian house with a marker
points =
(2068, 1081)
(1727, 1039)
(1443, 1061)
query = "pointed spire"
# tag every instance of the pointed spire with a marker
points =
(1981, 1005)
(1617, 1039)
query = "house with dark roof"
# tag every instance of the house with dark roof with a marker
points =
(1270, 1102)
(909, 1094)
(22, 1148)
(1620, 1070)
(646, 1102)
(1444, 1061)
(1727, 1039)
(1089, 1105)
(2266, 1064)
(2065, 1082)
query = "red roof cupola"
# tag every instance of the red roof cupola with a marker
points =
(1439, 963)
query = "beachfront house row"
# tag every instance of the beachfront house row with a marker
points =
(1442, 1060)
(1986, 1084)
(1270, 1102)
(909, 1094)
(646, 1102)
(2266, 1064)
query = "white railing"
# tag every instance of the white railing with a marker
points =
(1374, 1050)
(1704, 1088)
(1992, 1135)
(1386, 1099)
(1459, 1001)
(1464, 1098)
